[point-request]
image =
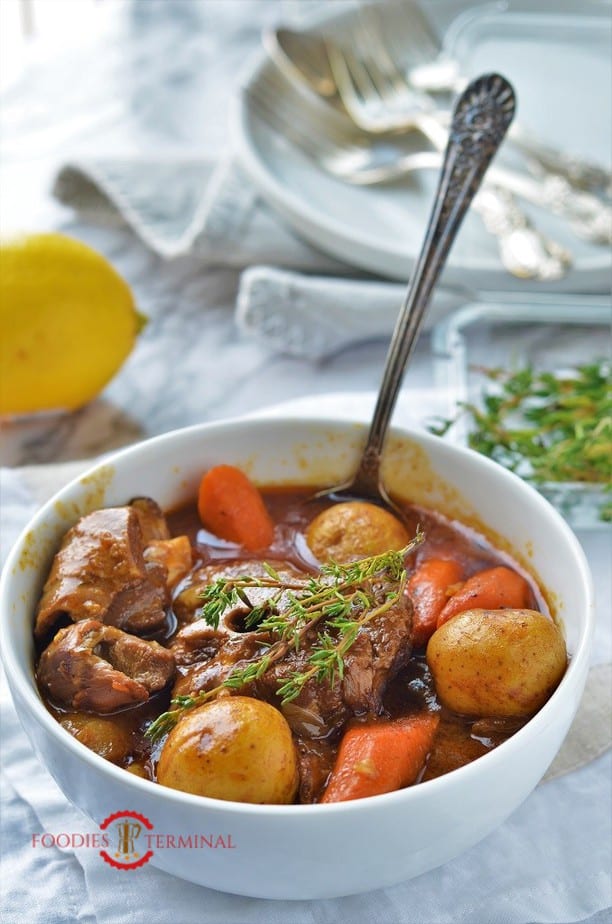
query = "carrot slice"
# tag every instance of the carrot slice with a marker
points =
(492, 589)
(231, 507)
(381, 757)
(428, 589)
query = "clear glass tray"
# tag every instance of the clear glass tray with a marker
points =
(552, 333)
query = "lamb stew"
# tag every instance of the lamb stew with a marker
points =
(260, 647)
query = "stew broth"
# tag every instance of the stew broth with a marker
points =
(120, 737)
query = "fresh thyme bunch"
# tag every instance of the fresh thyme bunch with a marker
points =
(335, 603)
(544, 426)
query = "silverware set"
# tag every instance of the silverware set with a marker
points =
(350, 103)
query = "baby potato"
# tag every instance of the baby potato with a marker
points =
(496, 662)
(354, 530)
(108, 736)
(235, 748)
(138, 768)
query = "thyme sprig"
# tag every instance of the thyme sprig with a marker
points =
(342, 597)
(545, 426)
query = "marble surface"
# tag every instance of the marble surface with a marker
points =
(190, 364)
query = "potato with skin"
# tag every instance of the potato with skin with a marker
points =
(356, 529)
(108, 736)
(138, 768)
(234, 748)
(496, 662)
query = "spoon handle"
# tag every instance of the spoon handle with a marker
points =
(480, 121)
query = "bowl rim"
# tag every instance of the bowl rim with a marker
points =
(23, 679)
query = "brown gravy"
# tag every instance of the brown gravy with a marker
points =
(120, 737)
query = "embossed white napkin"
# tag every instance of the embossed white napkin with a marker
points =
(315, 316)
(294, 298)
(182, 205)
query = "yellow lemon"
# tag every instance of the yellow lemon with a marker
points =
(67, 323)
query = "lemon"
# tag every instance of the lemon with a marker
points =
(67, 323)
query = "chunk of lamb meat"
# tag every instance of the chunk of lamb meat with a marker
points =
(315, 763)
(188, 603)
(100, 572)
(152, 521)
(205, 656)
(235, 653)
(173, 554)
(197, 642)
(91, 667)
(381, 649)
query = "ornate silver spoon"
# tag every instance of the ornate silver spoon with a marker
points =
(481, 118)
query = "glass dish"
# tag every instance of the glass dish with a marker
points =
(544, 332)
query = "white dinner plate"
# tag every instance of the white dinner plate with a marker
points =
(558, 58)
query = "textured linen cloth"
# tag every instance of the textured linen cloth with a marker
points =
(550, 862)
(292, 297)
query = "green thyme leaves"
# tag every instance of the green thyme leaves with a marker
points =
(333, 606)
(545, 426)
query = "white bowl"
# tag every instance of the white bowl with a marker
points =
(310, 851)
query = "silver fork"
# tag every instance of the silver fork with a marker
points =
(403, 28)
(480, 120)
(416, 49)
(378, 98)
(371, 86)
(330, 140)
